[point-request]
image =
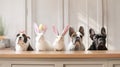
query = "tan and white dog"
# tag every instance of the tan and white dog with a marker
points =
(76, 43)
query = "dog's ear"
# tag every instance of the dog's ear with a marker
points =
(92, 33)
(17, 35)
(71, 31)
(28, 37)
(103, 32)
(81, 30)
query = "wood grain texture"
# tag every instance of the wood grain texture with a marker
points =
(8, 53)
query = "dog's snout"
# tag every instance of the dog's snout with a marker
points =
(20, 37)
(77, 38)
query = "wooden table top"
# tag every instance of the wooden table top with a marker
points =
(8, 53)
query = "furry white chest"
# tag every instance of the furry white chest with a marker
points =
(71, 46)
(42, 44)
(21, 47)
(59, 43)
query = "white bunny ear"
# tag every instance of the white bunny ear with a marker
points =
(65, 30)
(36, 28)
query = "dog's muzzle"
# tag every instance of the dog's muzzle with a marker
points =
(77, 41)
(20, 38)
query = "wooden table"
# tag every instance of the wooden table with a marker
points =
(8, 53)
(11, 58)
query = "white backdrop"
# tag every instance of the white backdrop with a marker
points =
(87, 13)
(13, 16)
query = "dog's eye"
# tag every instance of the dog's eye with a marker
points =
(17, 35)
(74, 35)
(24, 35)
(81, 36)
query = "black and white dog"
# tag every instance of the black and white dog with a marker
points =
(23, 43)
(76, 43)
(99, 40)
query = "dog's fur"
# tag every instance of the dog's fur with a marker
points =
(42, 44)
(23, 43)
(76, 43)
(58, 43)
(99, 40)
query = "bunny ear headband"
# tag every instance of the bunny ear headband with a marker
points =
(23, 31)
(64, 31)
(41, 28)
(55, 30)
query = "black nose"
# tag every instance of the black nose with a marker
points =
(77, 38)
(20, 37)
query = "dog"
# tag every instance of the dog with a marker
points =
(58, 44)
(23, 42)
(99, 40)
(76, 43)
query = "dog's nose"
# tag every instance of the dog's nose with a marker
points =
(20, 37)
(77, 38)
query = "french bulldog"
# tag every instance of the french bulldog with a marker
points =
(76, 43)
(99, 40)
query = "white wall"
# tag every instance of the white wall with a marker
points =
(113, 18)
(87, 13)
(48, 12)
(78, 16)
(13, 15)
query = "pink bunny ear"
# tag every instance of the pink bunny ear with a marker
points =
(22, 32)
(45, 28)
(65, 30)
(36, 28)
(55, 30)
